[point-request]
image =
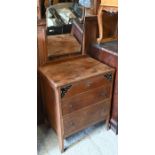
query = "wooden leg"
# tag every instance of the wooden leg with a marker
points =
(61, 144)
(100, 24)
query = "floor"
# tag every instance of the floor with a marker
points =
(91, 141)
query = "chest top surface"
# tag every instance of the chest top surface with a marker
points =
(68, 71)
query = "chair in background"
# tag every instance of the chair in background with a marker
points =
(110, 6)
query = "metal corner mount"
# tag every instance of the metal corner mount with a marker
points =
(108, 76)
(64, 90)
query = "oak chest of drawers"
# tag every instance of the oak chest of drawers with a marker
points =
(77, 94)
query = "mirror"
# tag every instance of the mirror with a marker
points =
(59, 19)
(60, 15)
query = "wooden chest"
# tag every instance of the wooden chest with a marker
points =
(77, 93)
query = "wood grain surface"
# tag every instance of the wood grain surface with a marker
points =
(86, 85)
(58, 45)
(84, 99)
(68, 71)
(83, 118)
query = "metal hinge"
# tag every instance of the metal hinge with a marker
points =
(108, 76)
(64, 90)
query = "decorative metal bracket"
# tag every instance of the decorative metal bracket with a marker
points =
(64, 90)
(108, 76)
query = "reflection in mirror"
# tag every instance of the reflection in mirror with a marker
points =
(59, 19)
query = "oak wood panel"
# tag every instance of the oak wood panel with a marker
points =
(40, 111)
(76, 69)
(86, 85)
(49, 102)
(83, 118)
(90, 32)
(82, 100)
(59, 45)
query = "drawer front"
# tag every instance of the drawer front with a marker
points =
(85, 85)
(83, 118)
(82, 100)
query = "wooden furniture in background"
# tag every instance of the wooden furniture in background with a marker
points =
(77, 93)
(40, 9)
(110, 6)
(107, 53)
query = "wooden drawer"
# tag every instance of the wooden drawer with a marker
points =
(85, 85)
(87, 116)
(82, 100)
